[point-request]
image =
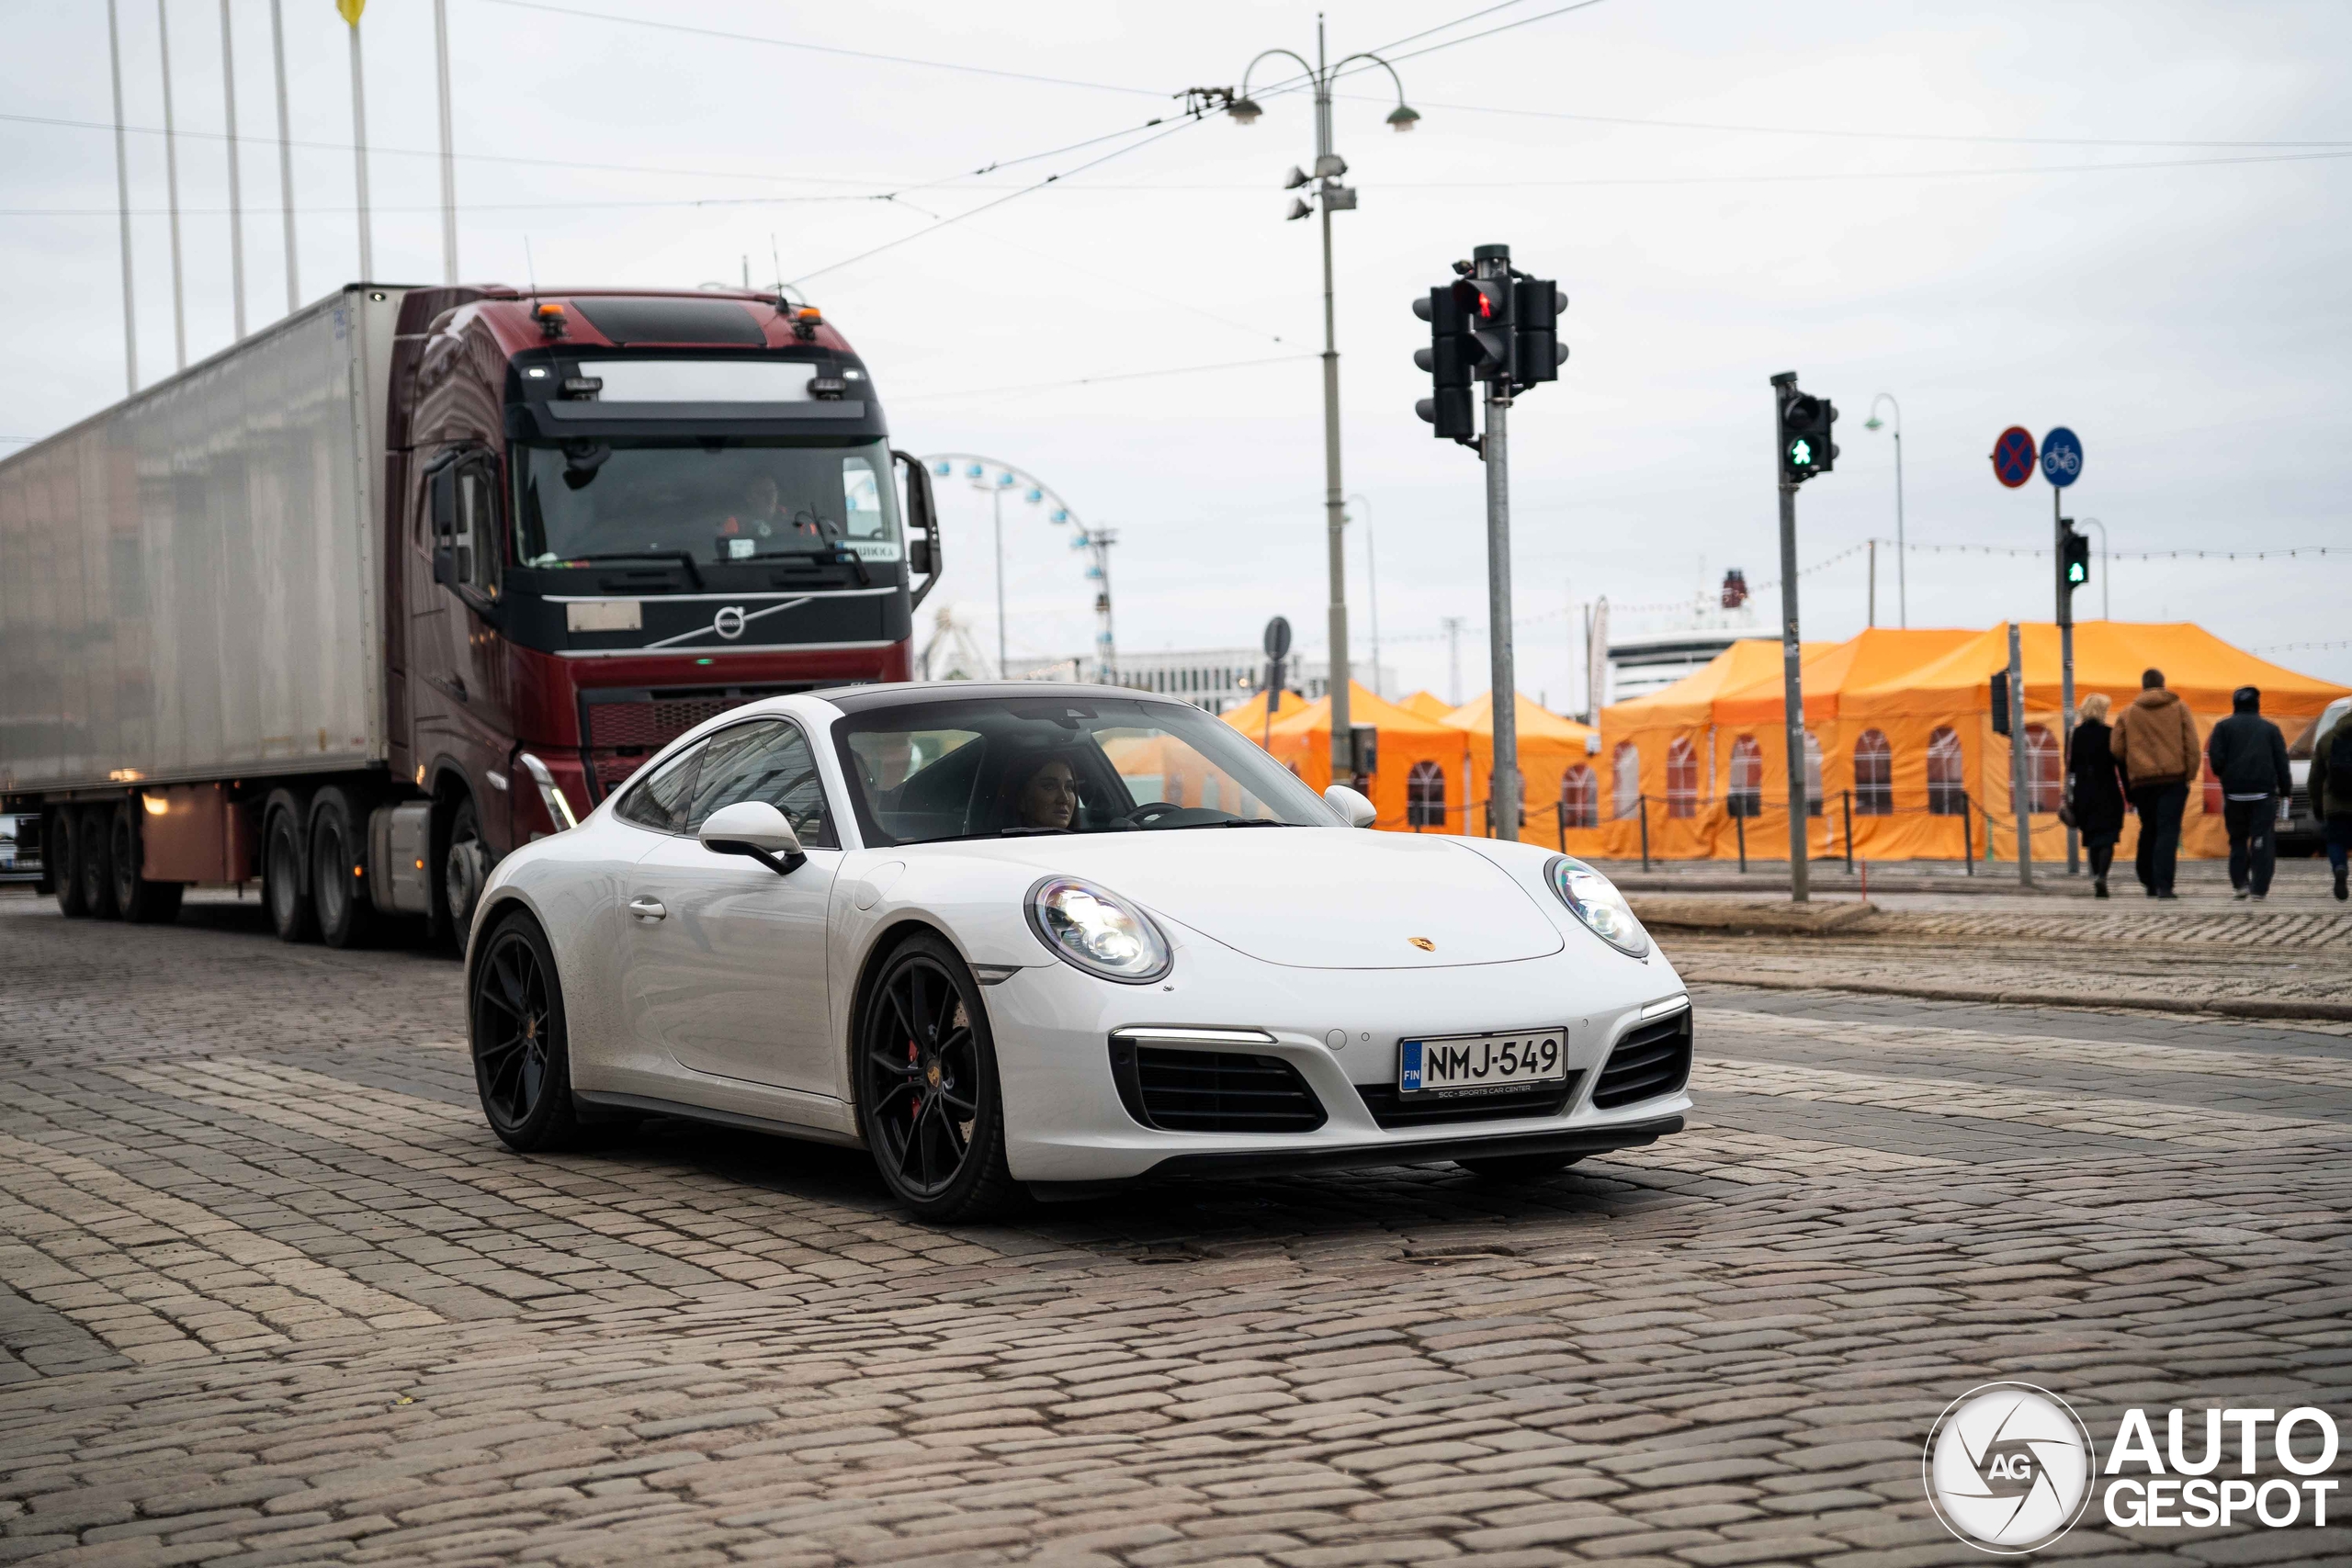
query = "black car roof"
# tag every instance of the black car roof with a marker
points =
(865, 699)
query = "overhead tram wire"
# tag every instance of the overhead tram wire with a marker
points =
(1097, 381)
(733, 36)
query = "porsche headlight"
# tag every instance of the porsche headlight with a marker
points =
(1594, 899)
(1097, 931)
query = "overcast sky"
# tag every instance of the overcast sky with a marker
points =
(2130, 218)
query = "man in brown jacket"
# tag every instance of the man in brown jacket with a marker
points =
(2155, 744)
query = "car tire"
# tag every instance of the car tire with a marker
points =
(284, 889)
(521, 1050)
(140, 901)
(58, 839)
(943, 1165)
(339, 895)
(1518, 1168)
(94, 861)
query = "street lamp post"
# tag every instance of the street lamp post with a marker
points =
(1371, 592)
(1330, 197)
(1902, 594)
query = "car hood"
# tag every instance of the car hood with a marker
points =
(1310, 897)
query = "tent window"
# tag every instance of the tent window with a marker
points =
(1625, 768)
(1947, 775)
(2045, 771)
(1425, 796)
(1682, 779)
(1746, 777)
(1874, 775)
(1580, 798)
(1812, 773)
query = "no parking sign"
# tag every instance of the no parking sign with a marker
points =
(2013, 457)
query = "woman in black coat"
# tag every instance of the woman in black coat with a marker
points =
(2094, 789)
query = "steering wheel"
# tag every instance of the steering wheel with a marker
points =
(1146, 814)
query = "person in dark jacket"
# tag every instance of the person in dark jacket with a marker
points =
(2330, 789)
(2155, 745)
(2094, 789)
(2249, 757)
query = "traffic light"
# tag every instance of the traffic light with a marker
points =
(2077, 556)
(1535, 321)
(1489, 301)
(1804, 444)
(1449, 359)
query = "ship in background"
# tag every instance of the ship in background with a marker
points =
(1674, 643)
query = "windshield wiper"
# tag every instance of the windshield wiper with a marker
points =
(682, 558)
(1027, 832)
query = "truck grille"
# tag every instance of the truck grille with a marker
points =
(1213, 1091)
(621, 729)
(1392, 1110)
(1651, 1061)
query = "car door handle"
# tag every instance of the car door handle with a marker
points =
(647, 908)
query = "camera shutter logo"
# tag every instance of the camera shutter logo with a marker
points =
(2008, 1467)
(728, 621)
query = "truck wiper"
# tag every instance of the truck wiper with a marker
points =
(682, 558)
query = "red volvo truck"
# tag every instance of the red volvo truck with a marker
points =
(417, 575)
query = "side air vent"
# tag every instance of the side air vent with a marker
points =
(1211, 1091)
(1392, 1110)
(1651, 1061)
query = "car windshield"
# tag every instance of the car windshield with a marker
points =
(1006, 766)
(716, 501)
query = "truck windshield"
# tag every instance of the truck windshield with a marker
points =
(715, 501)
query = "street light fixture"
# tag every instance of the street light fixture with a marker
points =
(1902, 594)
(1329, 196)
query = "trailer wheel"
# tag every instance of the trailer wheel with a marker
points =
(140, 900)
(287, 893)
(94, 861)
(57, 848)
(339, 894)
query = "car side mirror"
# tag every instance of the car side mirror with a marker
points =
(755, 828)
(1353, 809)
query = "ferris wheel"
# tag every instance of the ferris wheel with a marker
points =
(1000, 478)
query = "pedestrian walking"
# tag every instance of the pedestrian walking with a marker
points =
(2093, 792)
(2249, 757)
(2156, 742)
(2331, 787)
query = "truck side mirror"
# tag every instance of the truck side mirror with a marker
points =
(441, 501)
(923, 555)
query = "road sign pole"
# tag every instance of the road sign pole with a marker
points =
(2018, 796)
(1793, 694)
(2065, 666)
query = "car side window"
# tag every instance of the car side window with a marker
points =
(659, 801)
(770, 761)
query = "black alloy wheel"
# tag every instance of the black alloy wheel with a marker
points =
(59, 840)
(927, 1088)
(346, 913)
(522, 1064)
(291, 913)
(136, 898)
(1518, 1168)
(94, 861)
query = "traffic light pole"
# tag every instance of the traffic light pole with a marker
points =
(1793, 698)
(1502, 782)
(2065, 665)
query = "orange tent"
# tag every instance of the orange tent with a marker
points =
(1427, 705)
(1549, 747)
(1406, 742)
(1655, 751)
(1250, 717)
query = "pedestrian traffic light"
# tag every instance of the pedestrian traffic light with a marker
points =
(2078, 556)
(1535, 321)
(1448, 359)
(1999, 694)
(1804, 444)
(1490, 300)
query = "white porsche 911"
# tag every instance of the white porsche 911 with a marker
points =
(1058, 936)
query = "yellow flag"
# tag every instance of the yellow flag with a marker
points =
(351, 9)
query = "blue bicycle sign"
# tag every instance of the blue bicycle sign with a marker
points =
(2062, 457)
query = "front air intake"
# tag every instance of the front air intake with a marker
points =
(1211, 1091)
(1650, 1061)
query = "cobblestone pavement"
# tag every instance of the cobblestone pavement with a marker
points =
(269, 1291)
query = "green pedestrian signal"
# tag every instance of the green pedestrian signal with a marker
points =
(2076, 548)
(1801, 454)
(1806, 448)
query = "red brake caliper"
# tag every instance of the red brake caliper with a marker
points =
(915, 1108)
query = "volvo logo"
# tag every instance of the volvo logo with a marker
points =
(728, 621)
